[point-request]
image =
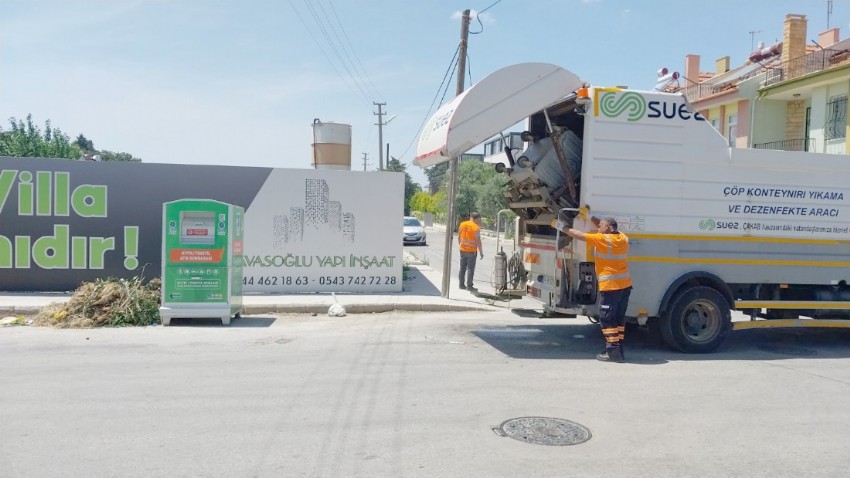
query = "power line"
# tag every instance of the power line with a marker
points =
(333, 48)
(344, 50)
(488, 8)
(446, 89)
(354, 52)
(321, 48)
(479, 18)
(428, 113)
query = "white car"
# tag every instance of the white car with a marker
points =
(414, 231)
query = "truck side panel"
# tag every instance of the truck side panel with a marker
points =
(689, 202)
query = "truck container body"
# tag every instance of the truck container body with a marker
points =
(711, 228)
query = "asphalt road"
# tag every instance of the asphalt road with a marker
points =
(406, 394)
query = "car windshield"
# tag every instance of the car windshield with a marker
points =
(411, 221)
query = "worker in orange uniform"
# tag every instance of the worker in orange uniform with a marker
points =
(469, 239)
(615, 284)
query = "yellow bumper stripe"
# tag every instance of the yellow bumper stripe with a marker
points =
(790, 304)
(762, 262)
(697, 237)
(766, 324)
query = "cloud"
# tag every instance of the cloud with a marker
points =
(484, 17)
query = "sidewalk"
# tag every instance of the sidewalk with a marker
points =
(421, 292)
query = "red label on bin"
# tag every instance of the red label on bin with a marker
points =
(197, 232)
(196, 255)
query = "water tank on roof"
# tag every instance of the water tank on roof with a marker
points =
(331, 145)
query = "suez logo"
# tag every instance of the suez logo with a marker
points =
(436, 123)
(711, 224)
(612, 103)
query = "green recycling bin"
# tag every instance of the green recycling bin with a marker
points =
(201, 260)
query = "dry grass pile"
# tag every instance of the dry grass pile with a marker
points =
(106, 303)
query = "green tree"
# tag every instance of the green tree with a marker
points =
(478, 188)
(422, 202)
(25, 139)
(437, 176)
(489, 197)
(470, 175)
(410, 187)
(111, 156)
(441, 205)
(84, 143)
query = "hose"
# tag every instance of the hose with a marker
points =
(516, 275)
(516, 271)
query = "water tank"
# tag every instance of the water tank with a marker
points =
(331, 145)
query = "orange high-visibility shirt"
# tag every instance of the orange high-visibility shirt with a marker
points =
(466, 234)
(611, 252)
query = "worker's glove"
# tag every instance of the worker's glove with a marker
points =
(482, 255)
(559, 225)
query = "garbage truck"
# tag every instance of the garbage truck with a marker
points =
(712, 228)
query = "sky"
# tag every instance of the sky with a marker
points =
(240, 82)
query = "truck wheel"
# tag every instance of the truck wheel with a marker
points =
(698, 320)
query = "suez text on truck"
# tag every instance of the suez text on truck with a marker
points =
(712, 228)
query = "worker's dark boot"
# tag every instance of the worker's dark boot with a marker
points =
(611, 354)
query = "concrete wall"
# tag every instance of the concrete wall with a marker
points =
(63, 222)
(769, 121)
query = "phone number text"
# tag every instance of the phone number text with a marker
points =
(323, 280)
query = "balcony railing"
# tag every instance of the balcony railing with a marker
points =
(816, 61)
(806, 144)
(705, 89)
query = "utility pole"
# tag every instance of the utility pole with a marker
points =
(365, 158)
(380, 124)
(450, 220)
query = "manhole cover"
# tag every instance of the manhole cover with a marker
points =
(786, 349)
(545, 431)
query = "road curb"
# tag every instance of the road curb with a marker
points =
(22, 310)
(259, 309)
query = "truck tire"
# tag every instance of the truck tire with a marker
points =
(698, 320)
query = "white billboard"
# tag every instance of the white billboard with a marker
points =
(325, 231)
